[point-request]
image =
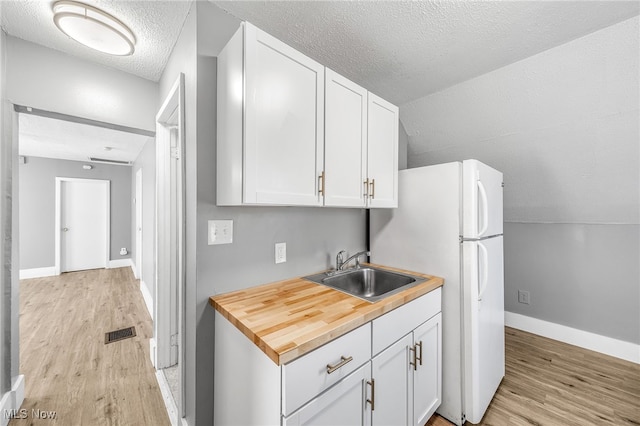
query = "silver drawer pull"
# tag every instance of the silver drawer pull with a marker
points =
(344, 360)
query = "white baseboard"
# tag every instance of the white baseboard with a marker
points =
(584, 339)
(48, 271)
(12, 401)
(169, 402)
(120, 263)
(153, 347)
(146, 295)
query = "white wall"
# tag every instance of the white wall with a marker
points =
(147, 162)
(563, 126)
(47, 79)
(11, 382)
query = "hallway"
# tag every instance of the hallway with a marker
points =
(70, 372)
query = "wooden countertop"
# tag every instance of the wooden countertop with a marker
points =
(287, 319)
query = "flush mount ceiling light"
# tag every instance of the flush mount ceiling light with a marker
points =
(93, 27)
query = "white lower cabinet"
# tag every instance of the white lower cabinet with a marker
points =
(343, 404)
(386, 372)
(391, 379)
(427, 373)
(407, 377)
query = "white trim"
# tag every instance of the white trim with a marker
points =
(58, 218)
(169, 402)
(12, 400)
(153, 351)
(146, 295)
(120, 263)
(48, 271)
(584, 339)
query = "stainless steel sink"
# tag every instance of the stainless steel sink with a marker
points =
(367, 283)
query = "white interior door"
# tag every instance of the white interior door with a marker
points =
(138, 268)
(84, 224)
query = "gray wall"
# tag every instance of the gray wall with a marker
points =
(313, 235)
(147, 162)
(53, 81)
(37, 207)
(563, 126)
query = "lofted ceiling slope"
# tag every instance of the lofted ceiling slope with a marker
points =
(404, 50)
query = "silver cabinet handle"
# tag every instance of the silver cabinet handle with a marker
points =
(65, 229)
(343, 360)
(372, 401)
(419, 357)
(415, 357)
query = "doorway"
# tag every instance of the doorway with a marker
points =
(82, 224)
(168, 346)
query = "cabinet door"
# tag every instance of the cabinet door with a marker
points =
(284, 123)
(391, 375)
(343, 404)
(345, 143)
(427, 377)
(382, 160)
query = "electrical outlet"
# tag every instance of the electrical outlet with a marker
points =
(523, 297)
(281, 252)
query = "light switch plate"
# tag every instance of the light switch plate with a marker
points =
(220, 232)
(281, 252)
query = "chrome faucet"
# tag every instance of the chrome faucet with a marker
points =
(341, 264)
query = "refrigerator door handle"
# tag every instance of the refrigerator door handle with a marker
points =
(485, 270)
(485, 209)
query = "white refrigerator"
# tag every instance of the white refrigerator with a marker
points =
(449, 223)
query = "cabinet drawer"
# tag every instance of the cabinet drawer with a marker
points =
(400, 321)
(307, 376)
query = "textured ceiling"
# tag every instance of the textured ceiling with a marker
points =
(156, 25)
(53, 138)
(404, 50)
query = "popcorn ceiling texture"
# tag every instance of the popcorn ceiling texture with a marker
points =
(399, 50)
(405, 50)
(156, 25)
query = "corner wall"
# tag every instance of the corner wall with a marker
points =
(563, 126)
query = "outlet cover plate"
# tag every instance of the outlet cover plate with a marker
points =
(220, 232)
(281, 252)
(523, 297)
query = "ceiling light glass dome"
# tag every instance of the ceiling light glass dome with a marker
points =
(93, 27)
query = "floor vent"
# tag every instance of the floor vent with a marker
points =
(114, 336)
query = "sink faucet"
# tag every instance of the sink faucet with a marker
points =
(340, 264)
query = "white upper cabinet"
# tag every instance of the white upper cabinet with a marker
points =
(270, 122)
(345, 149)
(280, 142)
(382, 158)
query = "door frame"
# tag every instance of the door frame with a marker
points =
(170, 119)
(138, 225)
(58, 219)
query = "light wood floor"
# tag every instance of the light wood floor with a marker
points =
(549, 383)
(68, 368)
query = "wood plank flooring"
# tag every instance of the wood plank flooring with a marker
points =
(67, 366)
(550, 383)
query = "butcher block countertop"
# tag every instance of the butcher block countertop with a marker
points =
(287, 319)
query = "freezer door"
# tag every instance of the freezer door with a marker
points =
(483, 311)
(481, 200)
